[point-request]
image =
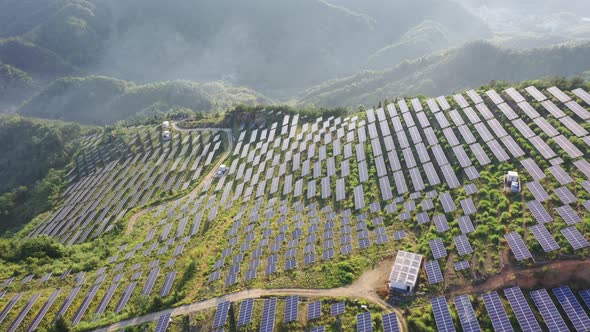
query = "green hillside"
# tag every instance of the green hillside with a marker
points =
(275, 52)
(14, 84)
(100, 100)
(470, 65)
(33, 156)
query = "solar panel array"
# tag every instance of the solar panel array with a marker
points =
(337, 309)
(267, 323)
(522, 310)
(321, 147)
(363, 322)
(548, 310)
(544, 238)
(246, 308)
(496, 311)
(221, 314)
(572, 308)
(442, 315)
(466, 314)
(163, 322)
(433, 272)
(517, 245)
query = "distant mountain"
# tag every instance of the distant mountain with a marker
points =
(276, 47)
(473, 64)
(14, 83)
(104, 100)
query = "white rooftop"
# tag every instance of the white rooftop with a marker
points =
(405, 270)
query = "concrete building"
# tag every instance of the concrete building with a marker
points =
(405, 271)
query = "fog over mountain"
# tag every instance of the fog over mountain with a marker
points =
(276, 49)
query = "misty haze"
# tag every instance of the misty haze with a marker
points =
(303, 165)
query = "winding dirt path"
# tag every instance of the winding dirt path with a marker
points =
(363, 288)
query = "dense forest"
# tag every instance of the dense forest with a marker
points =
(33, 159)
(104, 100)
(221, 40)
(471, 65)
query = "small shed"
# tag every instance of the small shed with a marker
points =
(405, 271)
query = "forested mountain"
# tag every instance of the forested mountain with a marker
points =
(104, 100)
(33, 156)
(272, 47)
(473, 64)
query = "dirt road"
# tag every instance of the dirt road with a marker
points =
(363, 288)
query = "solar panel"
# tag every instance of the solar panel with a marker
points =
(438, 248)
(359, 197)
(494, 96)
(447, 202)
(462, 265)
(463, 245)
(41, 314)
(548, 310)
(514, 94)
(557, 93)
(582, 95)
(314, 310)
(574, 237)
(466, 314)
(533, 169)
(168, 281)
(468, 206)
(9, 306)
(246, 308)
(390, 322)
(267, 322)
(544, 238)
(585, 295)
(508, 111)
(291, 309)
(538, 191)
(125, 297)
(25, 310)
(433, 272)
(106, 299)
(337, 309)
(440, 222)
(475, 97)
(221, 314)
(562, 177)
(363, 322)
(497, 150)
(572, 308)
(535, 93)
(568, 214)
(517, 245)
(496, 311)
(151, 280)
(442, 315)
(539, 213)
(163, 323)
(522, 310)
(462, 156)
(567, 146)
(465, 224)
(399, 235)
(85, 304)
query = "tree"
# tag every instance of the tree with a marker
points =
(60, 325)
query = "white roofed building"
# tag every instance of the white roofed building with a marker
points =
(405, 271)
